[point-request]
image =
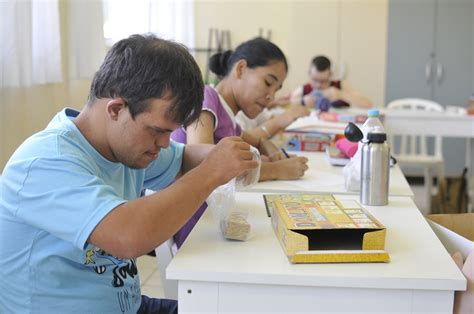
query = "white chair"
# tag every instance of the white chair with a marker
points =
(413, 150)
(164, 254)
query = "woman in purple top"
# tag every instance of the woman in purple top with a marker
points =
(250, 77)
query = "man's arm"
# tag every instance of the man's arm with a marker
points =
(296, 96)
(349, 95)
(138, 226)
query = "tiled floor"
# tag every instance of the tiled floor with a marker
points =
(150, 279)
(150, 276)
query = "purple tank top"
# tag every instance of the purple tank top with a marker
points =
(225, 124)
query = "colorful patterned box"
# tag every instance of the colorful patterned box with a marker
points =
(318, 228)
(304, 141)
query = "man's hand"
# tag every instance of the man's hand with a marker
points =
(332, 93)
(230, 158)
(309, 100)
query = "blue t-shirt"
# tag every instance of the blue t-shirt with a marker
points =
(54, 191)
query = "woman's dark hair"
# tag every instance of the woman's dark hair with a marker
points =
(257, 52)
(143, 67)
(321, 63)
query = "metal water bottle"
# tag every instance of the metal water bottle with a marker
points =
(375, 167)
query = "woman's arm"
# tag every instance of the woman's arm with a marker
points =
(265, 146)
(349, 95)
(201, 131)
(279, 122)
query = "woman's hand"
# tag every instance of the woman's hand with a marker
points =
(291, 168)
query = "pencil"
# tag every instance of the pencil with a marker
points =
(284, 152)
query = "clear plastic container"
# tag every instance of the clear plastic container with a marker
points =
(372, 122)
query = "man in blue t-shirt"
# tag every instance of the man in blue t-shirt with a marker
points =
(72, 220)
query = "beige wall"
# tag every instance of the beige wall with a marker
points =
(350, 32)
(24, 111)
(243, 19)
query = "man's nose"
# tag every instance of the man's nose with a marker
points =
(163, 141)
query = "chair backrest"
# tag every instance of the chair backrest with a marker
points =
(415, 104)
(415, 144)
(164, 254)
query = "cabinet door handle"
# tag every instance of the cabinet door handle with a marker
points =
(428, 72)
(439, 72)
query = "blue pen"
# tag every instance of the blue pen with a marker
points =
(284, 152)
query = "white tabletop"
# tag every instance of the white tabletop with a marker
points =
(323, 177)
(418, 259)
(445, 124)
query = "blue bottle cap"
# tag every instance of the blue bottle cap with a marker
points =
(373, 112)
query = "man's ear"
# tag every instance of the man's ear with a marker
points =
(114, 107)
(240, 68)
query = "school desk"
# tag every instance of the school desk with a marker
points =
(220, 276)
(446, 124)
(325, 178)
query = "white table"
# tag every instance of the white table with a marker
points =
(219, 276)
(445, 124)
(325, 178)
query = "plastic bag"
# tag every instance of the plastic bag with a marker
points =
(351, 171)
(250, 177)
(234, 223)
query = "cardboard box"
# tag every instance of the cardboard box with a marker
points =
(304, 141)
(455, 231)
(318, 228)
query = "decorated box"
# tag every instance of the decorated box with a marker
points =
(318, 228)
(304, 141)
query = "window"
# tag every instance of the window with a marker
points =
(165, 18)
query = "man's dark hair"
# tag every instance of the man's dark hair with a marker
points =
(142, 67)
(256, 52)
(321, 63)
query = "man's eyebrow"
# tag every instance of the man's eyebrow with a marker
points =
(158, 129)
